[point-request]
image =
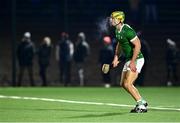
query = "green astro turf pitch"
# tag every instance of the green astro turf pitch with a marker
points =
(86, 105)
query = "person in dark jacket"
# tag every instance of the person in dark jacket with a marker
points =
(82, 50)
(44, 54)
(64, 55)
(105, 57)
(25, 55)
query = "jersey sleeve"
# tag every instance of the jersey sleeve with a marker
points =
(131, 34)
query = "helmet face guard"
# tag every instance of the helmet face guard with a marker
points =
(114, 20)
(118, 16)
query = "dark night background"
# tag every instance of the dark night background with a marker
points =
(51, 17)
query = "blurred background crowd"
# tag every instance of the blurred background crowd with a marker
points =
(65, 42)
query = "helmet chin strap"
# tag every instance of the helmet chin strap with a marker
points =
(118, 23)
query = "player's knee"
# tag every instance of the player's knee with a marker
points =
(126, 85)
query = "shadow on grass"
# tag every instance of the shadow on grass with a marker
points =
(98, 115)
(74, 110)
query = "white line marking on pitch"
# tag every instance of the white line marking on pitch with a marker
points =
(82, 102)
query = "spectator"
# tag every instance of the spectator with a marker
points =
(44, 54)
(82, 50)
(105, 57)
(172, 61)
(64, 55)
(25, 55)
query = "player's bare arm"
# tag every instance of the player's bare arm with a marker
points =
(117, 53)
(106, 67)
(136, 50)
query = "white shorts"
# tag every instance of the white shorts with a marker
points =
(139, 65)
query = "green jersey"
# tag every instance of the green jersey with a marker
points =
(125, 36)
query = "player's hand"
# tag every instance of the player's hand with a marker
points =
(132, 66)
(115, 61)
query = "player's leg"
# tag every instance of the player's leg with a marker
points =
(127, 83)
(127, 80)
(123, 74)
